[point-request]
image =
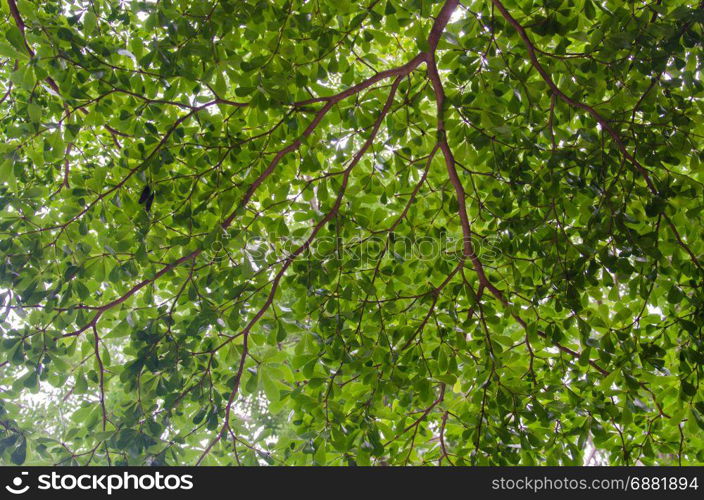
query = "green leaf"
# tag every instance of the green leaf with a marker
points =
(35, 112)
(19, 455)
(89, 22)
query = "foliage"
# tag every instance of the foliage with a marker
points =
(334, 232)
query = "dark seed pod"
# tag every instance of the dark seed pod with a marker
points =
(150, 200)
(145, 194)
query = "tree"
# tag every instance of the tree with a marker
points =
(333, 232)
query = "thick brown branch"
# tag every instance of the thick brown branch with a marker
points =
(468, 248)
(14, 11)
(595, 114)
(572, 102)
(330, 101)
(289, 260)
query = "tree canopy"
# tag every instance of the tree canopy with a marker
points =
(324, 232)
